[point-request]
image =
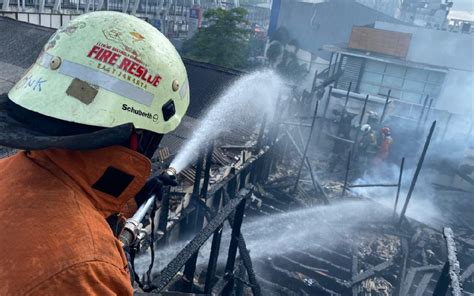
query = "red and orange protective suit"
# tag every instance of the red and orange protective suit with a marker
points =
(54, 237)
(384, 150)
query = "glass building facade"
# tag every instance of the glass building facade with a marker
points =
(375, 77)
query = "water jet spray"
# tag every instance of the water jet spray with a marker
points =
(249, 97)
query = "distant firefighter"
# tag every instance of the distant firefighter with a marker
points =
(367, 145)
(384, 149)
(373, 120)
(369, 138)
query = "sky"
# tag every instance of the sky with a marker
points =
(466, 5)
(463, 9)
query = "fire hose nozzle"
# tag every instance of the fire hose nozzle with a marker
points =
(171, 171)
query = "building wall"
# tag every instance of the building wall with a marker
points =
(457, 95)
(445, 49)
(435, 47)
(407, 84)
(316, 24)
(425, 13)
(389, 7)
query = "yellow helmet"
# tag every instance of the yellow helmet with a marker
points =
(107, 69)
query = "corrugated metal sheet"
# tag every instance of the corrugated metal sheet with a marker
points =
(351, 72)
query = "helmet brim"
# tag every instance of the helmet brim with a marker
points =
(17, 135)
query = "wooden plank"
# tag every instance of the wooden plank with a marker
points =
(420, 290)
(370, 272)
(467, 273)
(380, 41)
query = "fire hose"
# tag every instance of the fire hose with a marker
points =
(130, 233)
(132, 227)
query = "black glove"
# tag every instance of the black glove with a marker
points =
(167, 179)
(155, 186)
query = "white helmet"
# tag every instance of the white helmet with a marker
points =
(106, 69)
(365, 128)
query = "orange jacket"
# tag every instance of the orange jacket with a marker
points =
(54, 239)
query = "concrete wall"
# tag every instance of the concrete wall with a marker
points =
(457, 95)
(445, 49)
(435, 47)
(317, 24)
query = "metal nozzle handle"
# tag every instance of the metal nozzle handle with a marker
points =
(171, 171)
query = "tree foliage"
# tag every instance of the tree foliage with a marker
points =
(224, 42)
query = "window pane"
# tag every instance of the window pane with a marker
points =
(432, 89)
(366, 88)
(415, 86)
(416, 74)
(392, 82)
(411, 97)
(372, 77)
(373, 66)
(394, 94)
(436, 77)
(395, 70)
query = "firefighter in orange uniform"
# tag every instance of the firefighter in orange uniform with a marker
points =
(88, 116)
(384, 149)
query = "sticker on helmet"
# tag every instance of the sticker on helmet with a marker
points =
(70, 29)
(115, 35)
(137, 36)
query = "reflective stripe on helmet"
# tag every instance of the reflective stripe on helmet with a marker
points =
(102, 80)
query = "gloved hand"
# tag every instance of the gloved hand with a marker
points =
(155, 186)
(168, 179)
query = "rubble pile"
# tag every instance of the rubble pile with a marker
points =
(385, 247)
(377, 286)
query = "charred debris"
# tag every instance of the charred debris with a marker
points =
(312, 155)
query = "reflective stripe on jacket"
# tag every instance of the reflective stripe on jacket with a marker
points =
(54, 239)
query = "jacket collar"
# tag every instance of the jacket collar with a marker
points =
(110, 176)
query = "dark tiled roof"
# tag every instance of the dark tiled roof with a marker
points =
(206, 83)
(20, 42)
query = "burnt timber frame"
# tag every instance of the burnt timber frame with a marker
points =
(214, 227)
(232, 191)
